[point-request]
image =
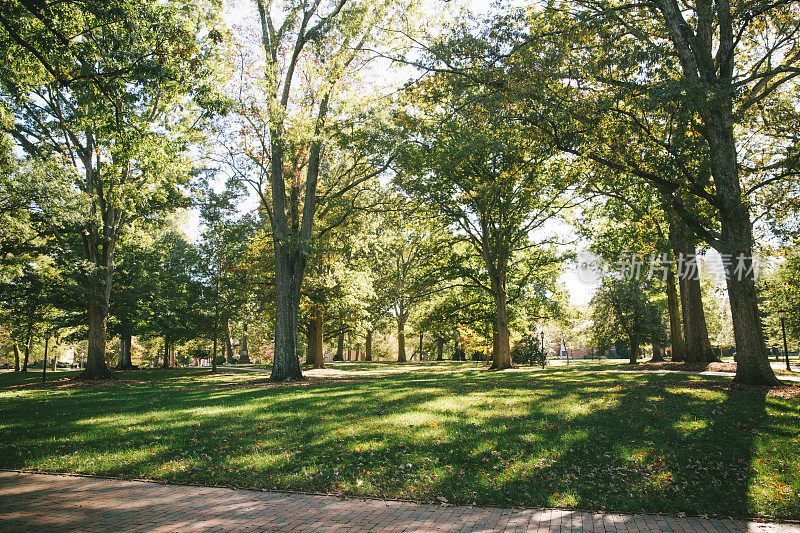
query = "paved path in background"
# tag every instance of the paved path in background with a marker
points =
(36, 502)
(794, 379)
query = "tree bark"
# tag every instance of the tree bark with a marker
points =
(658, 355)
(696, 346)
(288, 277)
(228, 344)
(421, 339)
(166, 353)
(735, 241)
(16, 357)
(96, 367)
(319, 328)
(401, 339)
(28, 343)
(216, 329)
(634, 345)
(339, 347)
(244, 351)
(311, 335)
(502, 352)
(440, 349)
(368, 346)
(673, 309)
(349, 347)
(124, 361)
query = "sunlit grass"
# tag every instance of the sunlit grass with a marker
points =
(621, 442)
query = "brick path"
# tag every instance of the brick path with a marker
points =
(36, 502)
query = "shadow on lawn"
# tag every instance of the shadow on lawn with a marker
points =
(622, 443)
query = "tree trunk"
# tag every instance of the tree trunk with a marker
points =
(244, 353)
(124, 361)
(28, 343)
(634, 345)
(339, 355)
(349, 347)
(358, 352)
(658, 355)
(228, 344)
(752, 361)
(673, 308)
(735, 242)
(421, 338)
(696, 346)
(173, 361)
(16, 357)
(401, 339)
(440, 349)
(166, 353)
(502, 353)
(216, 330)
(368, 346)
(311, 336)
(44, 363)
(319, 330)
(96, 367)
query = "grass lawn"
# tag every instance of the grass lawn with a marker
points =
(555, 437)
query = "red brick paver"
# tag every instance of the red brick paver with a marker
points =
(37, 502)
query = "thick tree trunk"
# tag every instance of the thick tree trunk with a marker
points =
(752, 360)
(401, 340)
(288, 277)
(28, 344)
(502, 352)
(319, 329)
(673, 309)
(634, 345)
(658, 355)
(696, 346)
(16, 357)
(695, 330)
(735, 242)
(440, 349)
(358, 352)
(244, 351)
(339, 356)
(166, 353)
(368, 346)
(124, 361)
(311, 335)
(96, 367)
(228, 343)
(349, 347)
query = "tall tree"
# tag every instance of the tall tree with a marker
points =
(104, 92)
(493, 182)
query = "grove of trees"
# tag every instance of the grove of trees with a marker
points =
(310, 174)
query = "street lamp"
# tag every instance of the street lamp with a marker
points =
(782, 316)
(44, 364)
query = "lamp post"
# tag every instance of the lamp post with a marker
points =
(782, 316)
(542, 334)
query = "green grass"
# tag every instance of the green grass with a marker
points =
(558, 437)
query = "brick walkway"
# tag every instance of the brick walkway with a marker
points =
(35, 502)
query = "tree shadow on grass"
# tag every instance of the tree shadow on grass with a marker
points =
(623, 443)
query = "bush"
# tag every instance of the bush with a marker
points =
(528, 352)
(220, 360)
